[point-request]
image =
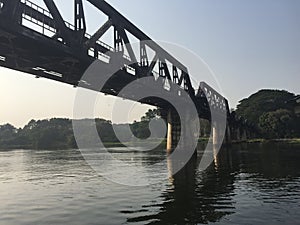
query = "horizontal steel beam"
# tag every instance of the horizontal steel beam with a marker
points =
(37, 15)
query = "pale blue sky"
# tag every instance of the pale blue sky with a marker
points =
(248, 44)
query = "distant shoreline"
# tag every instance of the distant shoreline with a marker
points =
(262, 140)
(201, 140)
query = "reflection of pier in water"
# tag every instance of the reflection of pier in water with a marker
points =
(194, 196)
(202, 197)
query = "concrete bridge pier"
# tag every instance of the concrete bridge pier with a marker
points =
(188, 131)
(173, 130)
(216, 134)
(215, 141)
(221, 133)
(169, 132)
(176, 131)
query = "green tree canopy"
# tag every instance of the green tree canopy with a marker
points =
(271, 112)
(262, 102)
(278, 124)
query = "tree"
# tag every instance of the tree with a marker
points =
(150, 114)
(262, 102)
(7, 131)
(141, 129)
(270, 112)
(278, 124)
(7, 134)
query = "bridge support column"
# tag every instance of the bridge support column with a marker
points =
(215, 133)
(169, 132)
(190, 132)
(173, 130)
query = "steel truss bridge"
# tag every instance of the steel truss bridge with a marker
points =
(39, 41)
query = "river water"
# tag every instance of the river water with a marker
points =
(246, 184)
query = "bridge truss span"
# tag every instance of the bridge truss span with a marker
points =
(32, 25)
(39, 41)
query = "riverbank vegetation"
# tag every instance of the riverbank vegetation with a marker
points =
(271, 112)
(262, 140)
(57, 133)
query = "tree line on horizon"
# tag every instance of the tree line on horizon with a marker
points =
(270, 111)
(57, 133)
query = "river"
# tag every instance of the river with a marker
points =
(247, 184)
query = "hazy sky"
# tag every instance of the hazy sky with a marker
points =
(248, 44)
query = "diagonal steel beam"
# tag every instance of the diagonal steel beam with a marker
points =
(181, 78)
(130, 27)
(188, 83)
(143, 55)
(127, 44)
(175, 74)
(153, 63)
(59, 21)
(99, 33)
(165, 67)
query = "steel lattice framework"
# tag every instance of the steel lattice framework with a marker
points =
(62, 51)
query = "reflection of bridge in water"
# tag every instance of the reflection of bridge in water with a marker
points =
(204, 197)
(194, 197)
(39, 42)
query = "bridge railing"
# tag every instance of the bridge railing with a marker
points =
(44, 21)
(36, 7)
(28, 11)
